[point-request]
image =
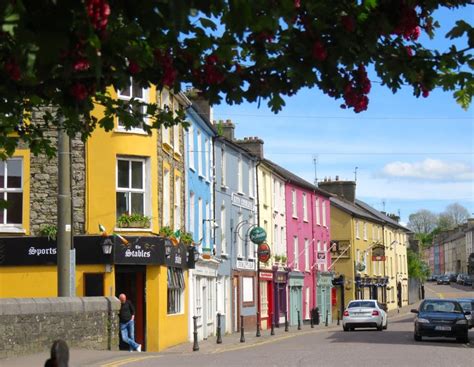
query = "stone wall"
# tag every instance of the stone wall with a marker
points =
(30, 325)
(44, 185)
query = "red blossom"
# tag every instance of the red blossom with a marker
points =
(297, 4)
(98, 12)
(319, 51)
(133, 68)
(409, 51)
(166, 62)
(425, 91)
(415, 33)
(348, 22)
(79, 91)
(13, 70)
(81, 64)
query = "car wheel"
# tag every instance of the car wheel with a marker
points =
(417, 337)
(380, 328)
(345, 328)
(386, 326)
(463, 339)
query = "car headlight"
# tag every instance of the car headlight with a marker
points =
(422, 321)
(461, 322)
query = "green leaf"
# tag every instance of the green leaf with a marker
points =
(463, 98)
(370, 4)
(458, 30)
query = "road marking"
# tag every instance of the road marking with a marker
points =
(121, 362)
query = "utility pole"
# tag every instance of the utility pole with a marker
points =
(65, 289)
(355, 174)
(315, 163)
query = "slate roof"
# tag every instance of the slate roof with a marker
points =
(380, 215)
(353, 209)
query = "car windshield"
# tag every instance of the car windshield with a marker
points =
(441, 306)
(466, 305)
(362, 304)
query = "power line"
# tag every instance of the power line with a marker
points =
(371, 153)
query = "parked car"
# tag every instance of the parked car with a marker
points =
(444, 279)
(441, 318)
(467, 304)
(431, 278)
(364, 314)
(452, 276)
(460, 278)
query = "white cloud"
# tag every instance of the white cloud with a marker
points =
(431, 169)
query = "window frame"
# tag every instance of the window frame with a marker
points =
(145, 97)
(5, 190)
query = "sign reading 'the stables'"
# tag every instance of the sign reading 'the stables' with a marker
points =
(140, 250)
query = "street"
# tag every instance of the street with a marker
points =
(308, 347)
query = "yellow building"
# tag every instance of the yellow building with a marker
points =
(131, 183)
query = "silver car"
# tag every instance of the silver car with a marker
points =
(364, 314)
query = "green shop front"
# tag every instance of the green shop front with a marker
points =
(295, 284)
(324, 286)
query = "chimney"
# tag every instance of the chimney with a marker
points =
(201, 104)
(226, 129)
(252, 144)
(343, 189)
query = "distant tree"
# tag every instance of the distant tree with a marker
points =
(455, 214)
(417, 268)
(423, 221)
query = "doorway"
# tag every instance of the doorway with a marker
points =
(296, 302)
(130, 280)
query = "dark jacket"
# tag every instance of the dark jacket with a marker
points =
(126, 312)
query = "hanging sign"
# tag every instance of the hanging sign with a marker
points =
(263, 252)
(378, 253)
(321, 257)
(258, 235)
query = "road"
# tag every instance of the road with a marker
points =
(309, 347)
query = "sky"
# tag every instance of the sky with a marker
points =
(410, 153)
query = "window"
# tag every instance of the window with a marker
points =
(133, 91)
(265, 189)
(166, 198)
(251, 181)
(240, 238)
(199, 153)
(177, 203)
(240, 176)
(175, 290)
(318, 220)
(295, 252)
(165, 103)
(191, 146)
(131, 188)
(357, 228)
(192, 213)
(293, 204)
(94, 285)
(176, 138)
(205, 168)
(200, 229)
(11, 190)
(325, 249)
(223, 167)
(365, 231)
(305, 208)
(306, 303)
(222, 228)
(208, 159)
(275, 236)
(324, 212)
(208, 224)
(247, 290)
(306, 254)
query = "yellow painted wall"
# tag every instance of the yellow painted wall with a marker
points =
(102, 149)
(163, 330)
(41, 281)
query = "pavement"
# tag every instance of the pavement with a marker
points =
(230, 343)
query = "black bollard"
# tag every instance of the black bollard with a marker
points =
(338, 317)
(195, 333)
(272, 332)
(299, 320)
(286, 320)
(219, 335)
(327, 317)
(59, 355)
(258, 334)
(311, 321)
(242, 337)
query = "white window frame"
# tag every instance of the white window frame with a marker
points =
(166, 101)
(296, 263)
(306, 254)
(144, 99)
(240, 240)
(129, 190)
(325, 249)
(294, 212)
(177, 203)
(205, 167)
(200, 217)
(5, 190)
(305, 208)
(318, 216)
(223, 227)
(357, 234)
(324, 212)
(199, 153)
(192, 213)
(191, 147)
(176, 132)
(166, 197)
(208, 224)
(223, 166)
(177, 292)
(251, 180)
(240, 175)
(364, 229)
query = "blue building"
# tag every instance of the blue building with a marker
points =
(235, 205)
(200, 217)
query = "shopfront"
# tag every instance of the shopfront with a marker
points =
(324, 295)
(296, 282)
(266, 299)
(280, 284)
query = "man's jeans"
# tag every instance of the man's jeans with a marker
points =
(127, 330)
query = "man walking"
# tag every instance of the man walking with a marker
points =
(127, 323)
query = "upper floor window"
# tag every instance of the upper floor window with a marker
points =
(199, 151)
(11, 190)
(177, 203)
(306, 254)
(205, 158)
(357, 228)
(133, 91)
(251, 181)
(166, 197)
(223, 167)
(176, 131)
(305, 208)
(365, 231)
(191, 146)
(131, 187)
(324, 213)
(293, 204)
(295, 252)
(165, 103)
(318, 217)
(192, 213)
(240, 175)
(223, 227)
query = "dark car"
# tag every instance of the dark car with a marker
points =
(441, 318)
(444, 279)
(467, 304)
(452, 277)
(461, 278)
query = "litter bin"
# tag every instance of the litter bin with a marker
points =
(315, 315)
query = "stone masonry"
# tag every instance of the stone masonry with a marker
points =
(30, 325)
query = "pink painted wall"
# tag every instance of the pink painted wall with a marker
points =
(297, 226)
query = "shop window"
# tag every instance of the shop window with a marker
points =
(175, 290)
(11, 190)
(93, 285)
(247, 285)
(131, 186)
(133, 91)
